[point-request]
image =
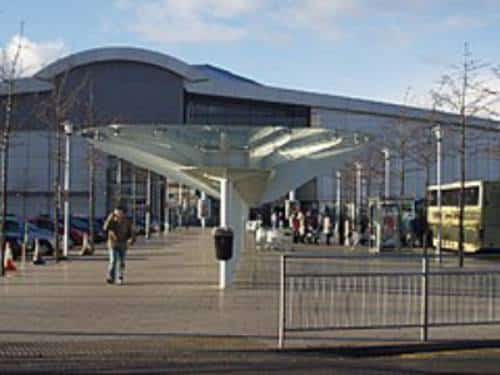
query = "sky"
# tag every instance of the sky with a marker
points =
(373, 49)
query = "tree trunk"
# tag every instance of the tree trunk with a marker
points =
(4, 173)
(3, 209)
(462, 194)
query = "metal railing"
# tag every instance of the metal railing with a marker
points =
(315, 300)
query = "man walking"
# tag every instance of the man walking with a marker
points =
(120, 236)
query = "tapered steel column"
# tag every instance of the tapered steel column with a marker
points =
(203, 198)
(225, 199)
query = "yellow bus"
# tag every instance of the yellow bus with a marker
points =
(481, 215)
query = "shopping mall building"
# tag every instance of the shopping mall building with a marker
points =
(136, 86)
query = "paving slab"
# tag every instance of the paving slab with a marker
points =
(170, 295)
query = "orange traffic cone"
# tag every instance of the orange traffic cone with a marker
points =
(37, 255)
(9, 264)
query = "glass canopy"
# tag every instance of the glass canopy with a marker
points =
(262, 162)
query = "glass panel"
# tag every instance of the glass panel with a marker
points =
(223, 111)
(472, 196)
(12, 226)
(451, 197)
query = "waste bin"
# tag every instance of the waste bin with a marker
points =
(223, 238)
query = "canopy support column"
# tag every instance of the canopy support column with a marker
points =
(203, 198)
(233, 214)
(225, 206)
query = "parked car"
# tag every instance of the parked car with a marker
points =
(16, 230)
(46, 223)
(82, 223)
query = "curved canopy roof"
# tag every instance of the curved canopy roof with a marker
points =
(262, 162)
(97, 55)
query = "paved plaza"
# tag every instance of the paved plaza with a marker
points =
(171, 297)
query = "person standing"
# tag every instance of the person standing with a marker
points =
(295, 227)
(121, 234)
(274, 220)
(302, 226)
(327, 228)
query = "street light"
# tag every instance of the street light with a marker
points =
(147, 218)
(358, 198)
(339, 217)
(439, 138)
(387, 184)
(68, 130)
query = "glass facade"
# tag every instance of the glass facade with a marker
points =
(223, 111)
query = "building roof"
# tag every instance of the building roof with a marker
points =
(216, 73)
(258, 92)
(213, 81)
(26, 86)
(97, 55)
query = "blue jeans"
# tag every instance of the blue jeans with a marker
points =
(116, 262)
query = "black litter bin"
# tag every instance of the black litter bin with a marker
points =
(223, 238)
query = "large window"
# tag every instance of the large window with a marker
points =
(451, 197)
(225, 111)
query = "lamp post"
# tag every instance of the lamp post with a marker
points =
(439, 139)
(147, 221)
(119, 173)
(134, 196)
(338, 227)
(387, 168)
(358, 198)
(68, 130)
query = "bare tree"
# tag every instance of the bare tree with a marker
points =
(10, 70)
(372, 161)
(54, 110)
(423, 147)
(400, 141)
(464, 92)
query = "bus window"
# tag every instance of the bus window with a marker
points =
(450, 197)
(472, 196)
